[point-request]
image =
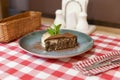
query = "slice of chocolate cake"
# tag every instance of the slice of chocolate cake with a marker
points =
(60, 42)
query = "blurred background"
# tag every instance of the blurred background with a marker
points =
(12, 7)
(101, 12)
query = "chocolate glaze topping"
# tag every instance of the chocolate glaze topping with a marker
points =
(61, 36)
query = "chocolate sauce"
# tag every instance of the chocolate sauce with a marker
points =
(38, 46)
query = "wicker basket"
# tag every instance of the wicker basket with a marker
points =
(13, 27)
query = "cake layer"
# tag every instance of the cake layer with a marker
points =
(60, 42)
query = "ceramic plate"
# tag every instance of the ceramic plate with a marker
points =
(31, 44)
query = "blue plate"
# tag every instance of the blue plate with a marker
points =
(31, 44)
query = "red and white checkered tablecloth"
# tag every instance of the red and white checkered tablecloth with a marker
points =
(16, 64)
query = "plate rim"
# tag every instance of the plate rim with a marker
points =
(51, 56)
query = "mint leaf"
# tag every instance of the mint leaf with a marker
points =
(55, 30)
(50, 31)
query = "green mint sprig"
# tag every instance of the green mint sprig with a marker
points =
(55, 30)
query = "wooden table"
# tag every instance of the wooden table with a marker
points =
(106, 30)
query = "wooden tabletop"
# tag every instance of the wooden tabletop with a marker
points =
(106, 30)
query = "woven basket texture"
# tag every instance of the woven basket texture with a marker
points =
(16, 26)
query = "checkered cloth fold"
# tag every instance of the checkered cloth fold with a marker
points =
(82, 65)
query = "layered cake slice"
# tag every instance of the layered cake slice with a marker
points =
(52, 40)
(60, 42)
